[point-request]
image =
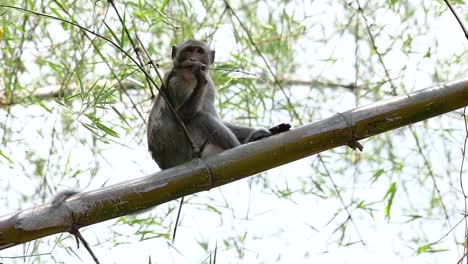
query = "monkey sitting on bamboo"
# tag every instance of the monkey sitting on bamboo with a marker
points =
(190, 91)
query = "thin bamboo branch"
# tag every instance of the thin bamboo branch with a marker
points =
(203, 174)
(56, 91)
(460, 22)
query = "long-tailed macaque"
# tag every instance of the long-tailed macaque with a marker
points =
(190, 90)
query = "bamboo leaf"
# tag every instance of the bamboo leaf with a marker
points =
(389, 195)
(6, 157)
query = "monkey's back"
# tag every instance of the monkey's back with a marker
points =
(167, 142)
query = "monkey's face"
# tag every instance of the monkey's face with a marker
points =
(192, 52)
(190, 58)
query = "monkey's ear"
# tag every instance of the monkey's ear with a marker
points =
(212, 57)
(174, 51)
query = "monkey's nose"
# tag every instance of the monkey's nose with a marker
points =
(192, 59)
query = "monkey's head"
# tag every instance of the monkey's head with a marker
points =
(192, 52)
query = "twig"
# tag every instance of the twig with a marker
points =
(234, 70)
(460, 261)
(151, 62)
(431, 174)
(150, 80)
(79, 237)
(121, 83)
(457, 18)
(179, 120)
(374, 46)
(215, 253)
(93, 44)
(448, 232)
(340, 197)
(465, 249)
(267, 64)
(177, 219)
(133, 45)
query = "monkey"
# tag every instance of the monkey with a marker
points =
(190, 90)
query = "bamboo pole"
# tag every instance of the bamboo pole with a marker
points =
(198, 175)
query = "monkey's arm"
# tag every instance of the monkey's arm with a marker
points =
(194, 103)
(214, 131)
(242, 132)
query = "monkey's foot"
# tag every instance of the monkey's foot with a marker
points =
(280, 128)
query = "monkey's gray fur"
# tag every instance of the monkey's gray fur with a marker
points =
(190, 90)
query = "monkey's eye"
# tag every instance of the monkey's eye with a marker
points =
(200, 51)
(189, 49)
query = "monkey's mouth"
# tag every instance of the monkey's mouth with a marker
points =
(190, 66)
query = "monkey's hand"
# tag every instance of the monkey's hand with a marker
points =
(263, 133)
(199, 70)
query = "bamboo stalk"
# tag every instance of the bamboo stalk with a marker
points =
(199, 175)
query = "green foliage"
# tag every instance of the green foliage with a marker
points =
(427, 248)
(389, 195)
(6, 157)
(73, 109)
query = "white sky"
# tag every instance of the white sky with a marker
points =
(276, 229)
